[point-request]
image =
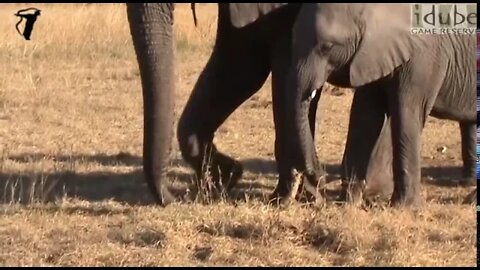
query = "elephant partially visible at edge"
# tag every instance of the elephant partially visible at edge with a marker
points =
(366, 46)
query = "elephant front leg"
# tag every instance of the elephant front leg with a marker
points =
(280, 62)
(215, 172)
(407, 124)
(367, 117)
(469, 153)
(232, 75)
(379, 179)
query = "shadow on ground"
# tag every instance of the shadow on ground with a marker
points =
(130, 187)
(124, 159)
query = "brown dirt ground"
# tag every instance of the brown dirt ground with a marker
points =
(71, 119)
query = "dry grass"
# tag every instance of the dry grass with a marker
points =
(71, 118)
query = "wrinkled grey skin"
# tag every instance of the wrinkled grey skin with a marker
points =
(248, 46)
(151, 26)
(367, 46)
(369, 159)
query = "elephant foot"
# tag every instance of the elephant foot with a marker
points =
(411, 201)
(166, 197)
(219, 177)
(160, 193)
(207, 189)
(280, 199)
(305, 188)
(352, 192)
(230, 175)
(210, 191)
(311, 189)
(375, 192)
(283, 195)
(471, 198)
(276, 200)
(415, 205)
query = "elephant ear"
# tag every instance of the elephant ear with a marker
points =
(387, 43)
(242, 14)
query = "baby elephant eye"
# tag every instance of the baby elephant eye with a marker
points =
(325, 47)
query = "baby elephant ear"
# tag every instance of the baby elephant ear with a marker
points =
(387, 43)
(242, 14)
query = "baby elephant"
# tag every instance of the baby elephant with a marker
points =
(368, 47)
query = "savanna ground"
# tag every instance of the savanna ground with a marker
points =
(71, 130)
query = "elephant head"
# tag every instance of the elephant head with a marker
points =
(349, 45)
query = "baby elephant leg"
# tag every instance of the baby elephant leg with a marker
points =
(469, 153)
(379, 180)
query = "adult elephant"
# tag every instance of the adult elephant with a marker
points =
(249, 44)
(253, 39)
(366, 46)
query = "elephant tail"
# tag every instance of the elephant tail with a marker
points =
(192, 5)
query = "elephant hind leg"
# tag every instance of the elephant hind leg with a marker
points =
(469, 155)
(379, 176)
(367, 118)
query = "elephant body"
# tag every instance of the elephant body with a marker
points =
(368, 47)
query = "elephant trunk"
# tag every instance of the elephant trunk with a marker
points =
(302, 99)
(151, 26)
